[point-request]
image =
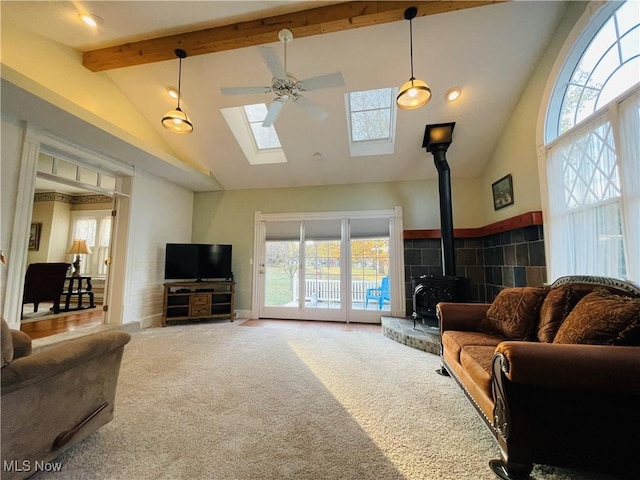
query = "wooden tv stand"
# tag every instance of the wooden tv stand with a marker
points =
(198, 300)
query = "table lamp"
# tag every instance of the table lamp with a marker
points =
(79, 247)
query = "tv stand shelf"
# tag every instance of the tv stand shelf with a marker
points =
(198, 300)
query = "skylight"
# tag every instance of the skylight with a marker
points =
(265, 137)
(259, 144)
(371, 119)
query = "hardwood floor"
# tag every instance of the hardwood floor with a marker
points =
(55, 324)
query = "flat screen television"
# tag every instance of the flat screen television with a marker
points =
(197, 261)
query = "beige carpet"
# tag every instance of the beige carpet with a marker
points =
(222, 401)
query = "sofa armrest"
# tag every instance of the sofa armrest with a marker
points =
(570, 366)
(28, 370)
(461, 316)
(21, 344)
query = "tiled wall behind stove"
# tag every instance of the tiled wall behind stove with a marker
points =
(509, 259)
(514, 259)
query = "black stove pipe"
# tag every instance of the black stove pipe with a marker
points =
(437, 139)
(446, 213)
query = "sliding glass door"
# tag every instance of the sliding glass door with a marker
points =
(322, 275)
(329, 266)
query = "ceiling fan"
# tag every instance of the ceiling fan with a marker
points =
(286, 86)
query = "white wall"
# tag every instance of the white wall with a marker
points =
(161, 212)
(64, 76)
(227, 217)
(10, 149)
(516, 151)
(55, 218)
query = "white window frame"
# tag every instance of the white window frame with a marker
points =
(253, 134)
(385, 146)
(239, 126)
(595, 16)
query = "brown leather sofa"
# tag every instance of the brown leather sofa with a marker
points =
(54, 398)
(554, 371)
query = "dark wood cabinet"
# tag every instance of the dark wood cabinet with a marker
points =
(198, 300)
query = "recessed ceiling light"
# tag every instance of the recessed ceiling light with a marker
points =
(172, 92)
(90, 19)
(453, 94)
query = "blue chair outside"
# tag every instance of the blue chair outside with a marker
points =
(379, 294)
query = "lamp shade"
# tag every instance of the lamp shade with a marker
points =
(177, 121)
(413, 94)
(79, 246)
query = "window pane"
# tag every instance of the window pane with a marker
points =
(256, 113)
(589, 168)
(86, 229)
(105, 231)
(609, 66)
(370, 125)
(264, 137)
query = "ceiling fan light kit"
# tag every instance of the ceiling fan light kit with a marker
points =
(285, 86)
(414, 93)
(177, 121)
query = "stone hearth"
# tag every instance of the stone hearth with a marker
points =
(422, 337)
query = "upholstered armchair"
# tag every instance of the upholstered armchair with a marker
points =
(44, 282)
(56, 397)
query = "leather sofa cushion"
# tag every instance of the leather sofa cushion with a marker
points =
(602, 318)
(555, 308)
(476, 360)
(514, 312)
(454, 341)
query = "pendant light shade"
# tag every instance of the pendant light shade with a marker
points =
(177, 121)
(414, 93)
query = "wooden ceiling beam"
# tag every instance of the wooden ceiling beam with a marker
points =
(315, 21)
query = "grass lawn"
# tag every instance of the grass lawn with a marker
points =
(279, 285)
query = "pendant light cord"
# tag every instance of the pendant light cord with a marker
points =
(411, 47)
(180, 81)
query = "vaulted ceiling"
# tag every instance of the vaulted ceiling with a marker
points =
(489, 50)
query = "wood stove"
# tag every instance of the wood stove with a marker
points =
(428, 290)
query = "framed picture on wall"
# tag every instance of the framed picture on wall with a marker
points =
(34, 236)
(502, 192)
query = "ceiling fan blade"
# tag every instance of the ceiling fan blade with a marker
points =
(244, 90)
(322, 81)
(273, 62)
(274, 111)
(313, 110)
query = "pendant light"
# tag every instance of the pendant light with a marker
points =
(177, 121)
(414, 93)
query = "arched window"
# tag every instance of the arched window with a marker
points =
(592, 135)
